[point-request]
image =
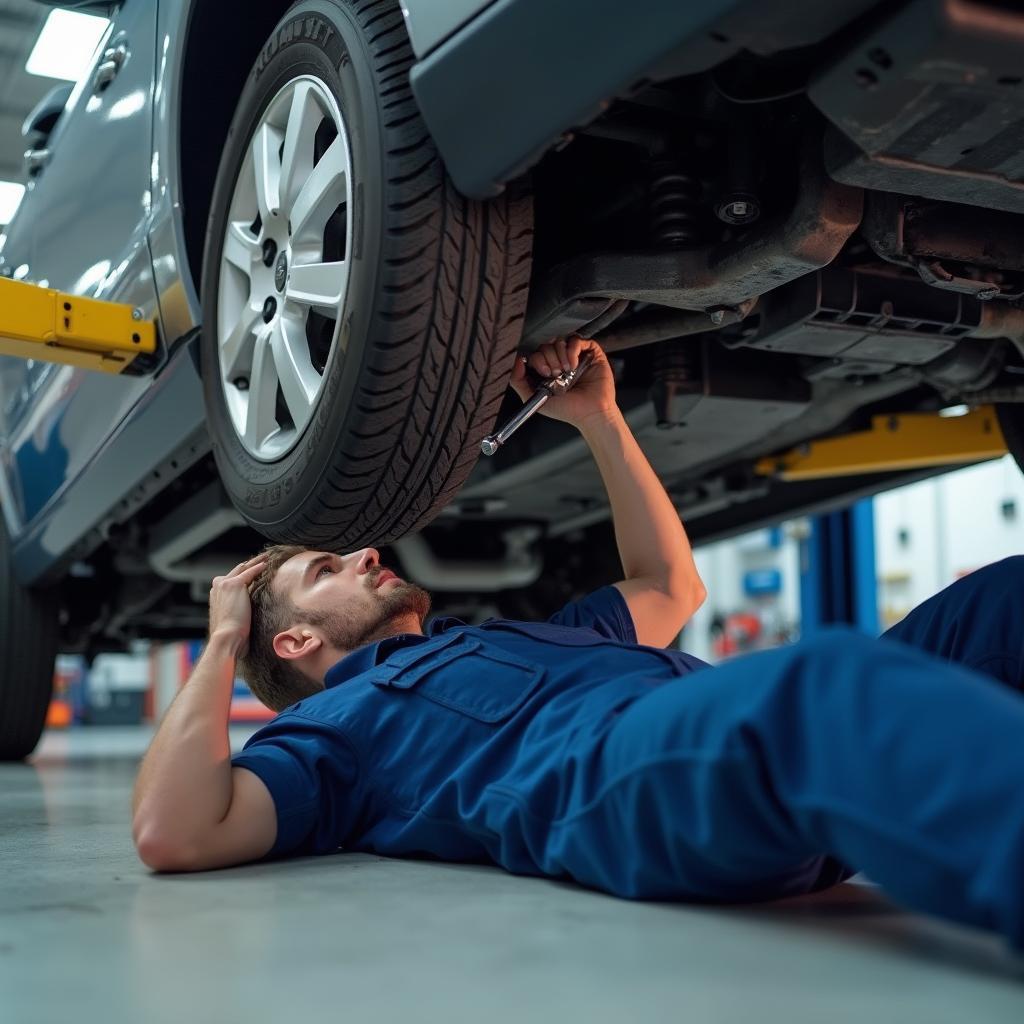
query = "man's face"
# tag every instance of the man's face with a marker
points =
(351, 599)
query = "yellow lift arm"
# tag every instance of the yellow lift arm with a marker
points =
(40, 323)
(902, 441)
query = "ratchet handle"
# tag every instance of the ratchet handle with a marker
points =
(561, 384)
(490, 444)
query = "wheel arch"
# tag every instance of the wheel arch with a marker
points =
(219, 52)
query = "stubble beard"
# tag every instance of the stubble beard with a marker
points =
(389, 613)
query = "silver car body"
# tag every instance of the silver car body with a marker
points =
(104, 219)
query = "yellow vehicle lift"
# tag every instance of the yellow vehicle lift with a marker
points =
(40, 323)
(901, 441)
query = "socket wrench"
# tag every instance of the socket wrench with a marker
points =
(548, 389)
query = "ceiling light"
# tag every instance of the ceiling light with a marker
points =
(10, 199)
(66, 45)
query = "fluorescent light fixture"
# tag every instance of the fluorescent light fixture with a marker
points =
(66, 45)
(10, 200)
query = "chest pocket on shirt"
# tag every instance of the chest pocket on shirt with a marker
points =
(466, 675)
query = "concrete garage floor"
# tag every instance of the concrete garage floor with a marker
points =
(87, 934)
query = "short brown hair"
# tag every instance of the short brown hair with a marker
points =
(274, 681)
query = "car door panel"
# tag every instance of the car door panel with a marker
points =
(88, 212)
(170, 419)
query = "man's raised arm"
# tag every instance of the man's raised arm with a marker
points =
(192, 810)
(662, 586)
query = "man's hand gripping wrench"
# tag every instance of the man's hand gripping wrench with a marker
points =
(556, 386)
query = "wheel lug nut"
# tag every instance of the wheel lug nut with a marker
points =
(269, 309)
(242, 383)
(269, 252)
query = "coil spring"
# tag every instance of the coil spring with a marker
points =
(675, 363)
(674, 208)
(677, 382)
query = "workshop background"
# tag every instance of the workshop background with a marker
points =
(127, 947)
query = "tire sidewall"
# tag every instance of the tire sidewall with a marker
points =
(316, 37)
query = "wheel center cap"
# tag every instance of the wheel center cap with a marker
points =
(281, 272)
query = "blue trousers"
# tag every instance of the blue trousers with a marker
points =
(786, 771)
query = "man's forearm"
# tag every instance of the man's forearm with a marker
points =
(184, 785)
(650, 536)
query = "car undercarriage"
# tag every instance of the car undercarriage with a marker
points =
(772, 249)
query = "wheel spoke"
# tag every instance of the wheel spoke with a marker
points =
(322, 193)
(304, 117)
(299, 381)
(261, 416)
(236, 348)
(319, 285)
(290, 214)
(241, 249)
(267, 169)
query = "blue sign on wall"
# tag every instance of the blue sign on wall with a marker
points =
(762, 582)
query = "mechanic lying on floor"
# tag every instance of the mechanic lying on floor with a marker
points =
(580, 748)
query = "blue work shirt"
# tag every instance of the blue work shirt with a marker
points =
(464, 744)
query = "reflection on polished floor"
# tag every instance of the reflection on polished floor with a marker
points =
(87, 934)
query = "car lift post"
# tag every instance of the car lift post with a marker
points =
(837, 571)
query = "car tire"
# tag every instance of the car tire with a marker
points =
(28, 640)
(426, 334)
(1011, 422)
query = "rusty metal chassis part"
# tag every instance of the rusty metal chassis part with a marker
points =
(717, 279)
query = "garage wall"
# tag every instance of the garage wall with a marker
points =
(926, 536)
(723, 567)
(930, 533)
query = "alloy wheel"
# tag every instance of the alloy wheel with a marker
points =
(284, 268)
